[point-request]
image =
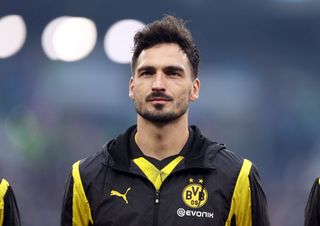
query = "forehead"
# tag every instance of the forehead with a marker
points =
(162, 55)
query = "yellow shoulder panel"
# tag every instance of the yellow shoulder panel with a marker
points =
(241, 198)
(3, 190)
(81, 212)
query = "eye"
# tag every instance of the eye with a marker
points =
(146, 73)
(173, 73)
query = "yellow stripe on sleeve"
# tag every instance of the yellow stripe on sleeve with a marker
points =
(81, 212)
(241, 198)
(3, 190)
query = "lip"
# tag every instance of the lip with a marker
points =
(159, 101)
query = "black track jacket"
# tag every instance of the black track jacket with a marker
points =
(312, 211)
(9, 213)
(208, 185)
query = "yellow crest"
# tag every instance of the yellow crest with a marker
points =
(195, 195)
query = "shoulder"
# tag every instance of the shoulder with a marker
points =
(229, 158)
(216, 155)
(94, 162)
(4, 182)
(316, 187)
(233, 165)
(222, 159)
(87, 169)
(4, 185)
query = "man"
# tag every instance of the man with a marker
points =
(9, 213)
(163, 171)
(312, 212)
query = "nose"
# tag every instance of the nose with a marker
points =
(158, 83)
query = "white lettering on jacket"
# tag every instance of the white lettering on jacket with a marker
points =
(194, 213)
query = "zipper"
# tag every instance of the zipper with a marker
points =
(156, 208)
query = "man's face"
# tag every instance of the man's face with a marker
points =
(162, 85)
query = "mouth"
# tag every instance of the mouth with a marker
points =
(158, 100)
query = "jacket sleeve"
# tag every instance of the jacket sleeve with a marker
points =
(75, 209)
(312, 211)
(9, 211)
(258, 200)
(66, 214)
(248, 203)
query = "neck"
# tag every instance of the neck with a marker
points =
(162, 140)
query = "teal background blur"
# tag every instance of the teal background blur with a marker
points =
(260, 95)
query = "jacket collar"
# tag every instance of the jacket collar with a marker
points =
(119, 150)
(201, 153)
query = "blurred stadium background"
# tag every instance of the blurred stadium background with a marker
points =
(260, 91)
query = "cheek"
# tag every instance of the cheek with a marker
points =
(137, 91)
(183, 96)
(186, 92)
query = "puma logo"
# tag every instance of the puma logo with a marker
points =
(124, 196)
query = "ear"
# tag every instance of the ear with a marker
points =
(131, 88)
(195, 90)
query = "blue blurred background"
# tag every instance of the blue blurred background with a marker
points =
(259, 95)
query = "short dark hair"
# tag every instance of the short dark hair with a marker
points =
(167, 30)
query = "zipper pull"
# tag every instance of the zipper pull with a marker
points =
(157, 197)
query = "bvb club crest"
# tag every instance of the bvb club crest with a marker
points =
(194, 194)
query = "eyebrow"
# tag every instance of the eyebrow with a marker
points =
(174, 68)
(171, 68)
(145, 68)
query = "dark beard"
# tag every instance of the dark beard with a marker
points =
(159, 117)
